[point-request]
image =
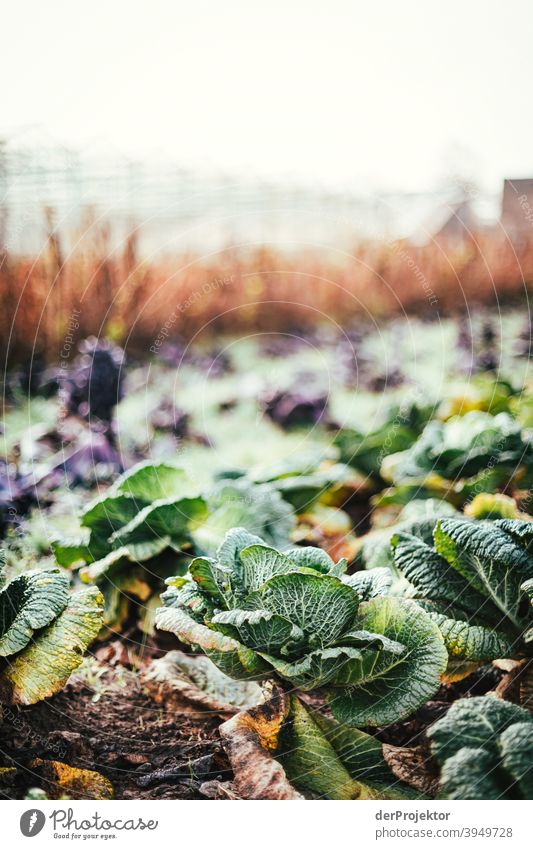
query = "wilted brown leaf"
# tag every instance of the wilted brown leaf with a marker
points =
(249, 738)
(184, 681)
(62, 779)
(414, 766)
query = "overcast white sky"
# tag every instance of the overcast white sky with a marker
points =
(383, 94)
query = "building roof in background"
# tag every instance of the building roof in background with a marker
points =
(517, 206)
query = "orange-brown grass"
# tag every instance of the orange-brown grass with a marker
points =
(115, 293)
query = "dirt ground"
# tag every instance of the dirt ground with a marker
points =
(144, 750)
(114, 726)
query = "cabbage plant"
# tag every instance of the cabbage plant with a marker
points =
(294, 616)
(476, 583)
(463, 456)
(43, 633)
(367, 451)
(485, 748)
(131, 536)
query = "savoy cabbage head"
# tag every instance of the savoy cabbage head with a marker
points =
(485, 748)
(260, 613)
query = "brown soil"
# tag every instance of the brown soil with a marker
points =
(113, 725)
(144, 750)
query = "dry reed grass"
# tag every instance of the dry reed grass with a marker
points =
(117, 294)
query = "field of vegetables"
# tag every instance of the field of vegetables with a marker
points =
(281, 565)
